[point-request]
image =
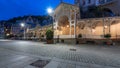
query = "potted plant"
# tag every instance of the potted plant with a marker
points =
(49, 36)
(108, 36)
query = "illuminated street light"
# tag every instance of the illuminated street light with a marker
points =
(67, 25)
(105, 27)
(7, 34)
(22, 25)
(50, 10)
(93, 30)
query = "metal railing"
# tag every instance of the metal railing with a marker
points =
(92, 36)
(64, 36)
(86, 36)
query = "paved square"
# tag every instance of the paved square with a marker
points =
(20, 54)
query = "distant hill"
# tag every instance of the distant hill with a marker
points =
(40, 20)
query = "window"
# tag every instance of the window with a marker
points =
(83, 2)
(89, 1)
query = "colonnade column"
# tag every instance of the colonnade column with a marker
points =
(109, 21)
(70, 22)
(75, 22)
(103, 26)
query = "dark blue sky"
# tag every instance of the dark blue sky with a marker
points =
(14, 8)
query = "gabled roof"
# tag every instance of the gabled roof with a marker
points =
(65, 4)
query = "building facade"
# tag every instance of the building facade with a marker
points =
(16, 29)
(2, 30)
(38, 31)
(68, 25)
(112, 5)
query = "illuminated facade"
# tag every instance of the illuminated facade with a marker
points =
(65, 20)
(68, 24)
(38, 31)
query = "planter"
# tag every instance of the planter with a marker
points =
(49, 36)
(108, 36)
(49, 41)
(109, 42)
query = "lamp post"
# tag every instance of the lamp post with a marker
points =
(50, 12)
(23, 26)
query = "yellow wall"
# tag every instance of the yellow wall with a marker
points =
(98, 30)
(115, 29)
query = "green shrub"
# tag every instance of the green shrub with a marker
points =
(49, 34)
(107, 35)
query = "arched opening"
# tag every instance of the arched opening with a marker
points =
(80, 28)
(115, 29)
(64, 26)
(97, 29)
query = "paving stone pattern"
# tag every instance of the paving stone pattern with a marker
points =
(13, 54)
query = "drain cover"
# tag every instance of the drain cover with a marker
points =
(73, 50)
(40, 63)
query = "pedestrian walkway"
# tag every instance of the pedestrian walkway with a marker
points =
(10, 59)
(20, 54)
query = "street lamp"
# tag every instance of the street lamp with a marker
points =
(50, 12)
(23, 26)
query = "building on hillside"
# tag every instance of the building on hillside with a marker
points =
(40, 28)
(29, 22)
(110, 5)
(7, 30)
(16, 29)
(34, 32)
(1, 30)
(37, 32)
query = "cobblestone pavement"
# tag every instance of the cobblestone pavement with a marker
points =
(62, 55)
